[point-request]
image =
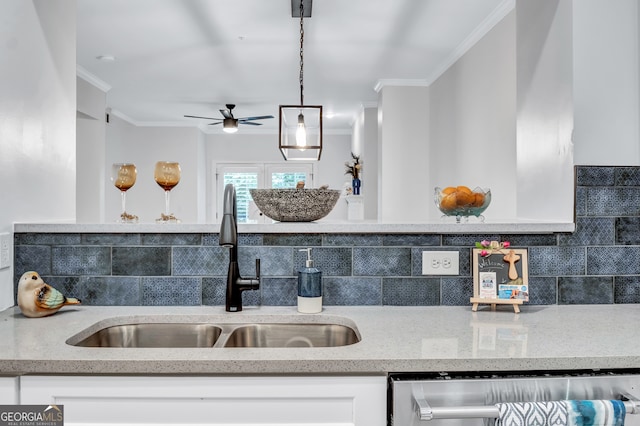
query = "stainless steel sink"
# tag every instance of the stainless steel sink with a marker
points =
(154, 335)
(291, 336)
(217, 335)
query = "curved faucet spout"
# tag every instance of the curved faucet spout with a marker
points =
(229, 238)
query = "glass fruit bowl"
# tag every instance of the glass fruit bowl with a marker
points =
(462, 202)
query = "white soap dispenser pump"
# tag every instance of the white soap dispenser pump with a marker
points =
(309, 287)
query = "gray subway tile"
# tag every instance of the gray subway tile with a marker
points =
(171, 291)
(214, 291)
(581, 201)
(332, 261)
(306, 240)
(613, 201)
(274, 261)
(111, 239)
(627, 176)
(387, 261)
(617, 260)
(171, 239)
(556, 261)
(627, 230)
(200, 260)
(626, 289)
(456, 291)
(279, 291)
(110, 291)
(595, 176)
(585, 290)
(141, 260)
(543, 291)
(590, 231)
(411, 291)
(81, 260)
(352, 240)
(32, 258)
(347, 291)
(46, 239)
(411, 240)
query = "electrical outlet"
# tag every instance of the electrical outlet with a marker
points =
(440, 263)
(5, 250)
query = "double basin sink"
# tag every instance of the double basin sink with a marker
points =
(217, 335)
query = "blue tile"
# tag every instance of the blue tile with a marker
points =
(456, 291)
(627, 231)
(555, 261)
(81, 260)
(171, 239)
(527, 240)
(171, 291)
(590, 231)
(595, 176)
(411, 240)
(110, 291)
(585, 290)
(274, 261)
(111, 239)
(332, 261)
(305, 240)
(352, 291)
(210, 239)
(543, 291)
(618, 260)
(214, 291)
(200, 260)
(627, 176)
(250, 239)
(411, 291)
(626, 289)
(46, 239)
(32, 258)
(141, 260)
(616, 201)
(352, 240)
(279, 291)
(581, 201)
(385, 261)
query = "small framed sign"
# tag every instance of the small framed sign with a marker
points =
(500, 277)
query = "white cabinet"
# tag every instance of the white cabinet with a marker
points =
(237, 401)
(9, 390)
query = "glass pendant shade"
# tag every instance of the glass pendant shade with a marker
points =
(301, 132)
(230, 125)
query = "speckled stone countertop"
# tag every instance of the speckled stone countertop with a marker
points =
(394, 339)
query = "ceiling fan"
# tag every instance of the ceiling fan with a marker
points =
(229, 122)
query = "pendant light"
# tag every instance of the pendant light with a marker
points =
(300, 134)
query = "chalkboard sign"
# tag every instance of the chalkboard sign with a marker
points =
(502, 275)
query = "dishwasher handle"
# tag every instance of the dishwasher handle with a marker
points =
(426, 412)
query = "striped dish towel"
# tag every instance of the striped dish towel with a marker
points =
(562, 413)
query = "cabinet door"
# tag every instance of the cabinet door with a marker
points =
(237, 401)
(9, 390)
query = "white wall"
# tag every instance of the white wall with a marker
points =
(37, 117)
(606, 86)
(144, 146)
(472, 122)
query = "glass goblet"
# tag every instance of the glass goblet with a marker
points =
(123, 176)
(167, 176)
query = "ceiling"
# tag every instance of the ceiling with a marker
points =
(177, 57)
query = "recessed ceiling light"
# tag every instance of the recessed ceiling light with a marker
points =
(106, 58)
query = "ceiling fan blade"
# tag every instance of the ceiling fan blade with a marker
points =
(249, 122)
(226, 113)
(213, 124)
(206, 118)
(260, 117)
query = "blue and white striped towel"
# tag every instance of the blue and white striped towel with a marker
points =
(562, 413)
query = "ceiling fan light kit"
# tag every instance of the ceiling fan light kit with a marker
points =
(230, 125)
(300, 126)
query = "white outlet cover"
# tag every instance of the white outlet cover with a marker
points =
(441, 262)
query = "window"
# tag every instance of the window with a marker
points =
(247, 176)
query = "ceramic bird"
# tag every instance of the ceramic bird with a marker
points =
(38, 299)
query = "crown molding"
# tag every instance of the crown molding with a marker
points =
(408, 82)
(92, 79)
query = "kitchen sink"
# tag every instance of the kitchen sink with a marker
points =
(154, 335)
(291, 336)
(217, 335)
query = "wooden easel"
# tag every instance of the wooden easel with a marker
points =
(511, 258)
(493, 302)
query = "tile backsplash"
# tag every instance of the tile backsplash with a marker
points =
(598, 263)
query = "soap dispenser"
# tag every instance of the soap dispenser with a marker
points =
(309, 287)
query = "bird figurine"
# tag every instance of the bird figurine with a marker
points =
(38, 299)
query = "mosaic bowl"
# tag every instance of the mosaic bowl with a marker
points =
(295, 205)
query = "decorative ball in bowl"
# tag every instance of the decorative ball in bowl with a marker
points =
(295, 205)
(462, 202)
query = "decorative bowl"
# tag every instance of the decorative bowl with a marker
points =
(295, 205)
(462, 202)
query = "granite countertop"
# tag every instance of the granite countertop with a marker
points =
(394, 339)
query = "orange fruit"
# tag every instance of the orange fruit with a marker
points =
(448, 190)
(464, 189)
(448, 202)
(478, 199)
(464, 199)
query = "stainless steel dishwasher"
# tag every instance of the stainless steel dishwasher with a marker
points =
(469, 399)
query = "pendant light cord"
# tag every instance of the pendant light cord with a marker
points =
(301, 52)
